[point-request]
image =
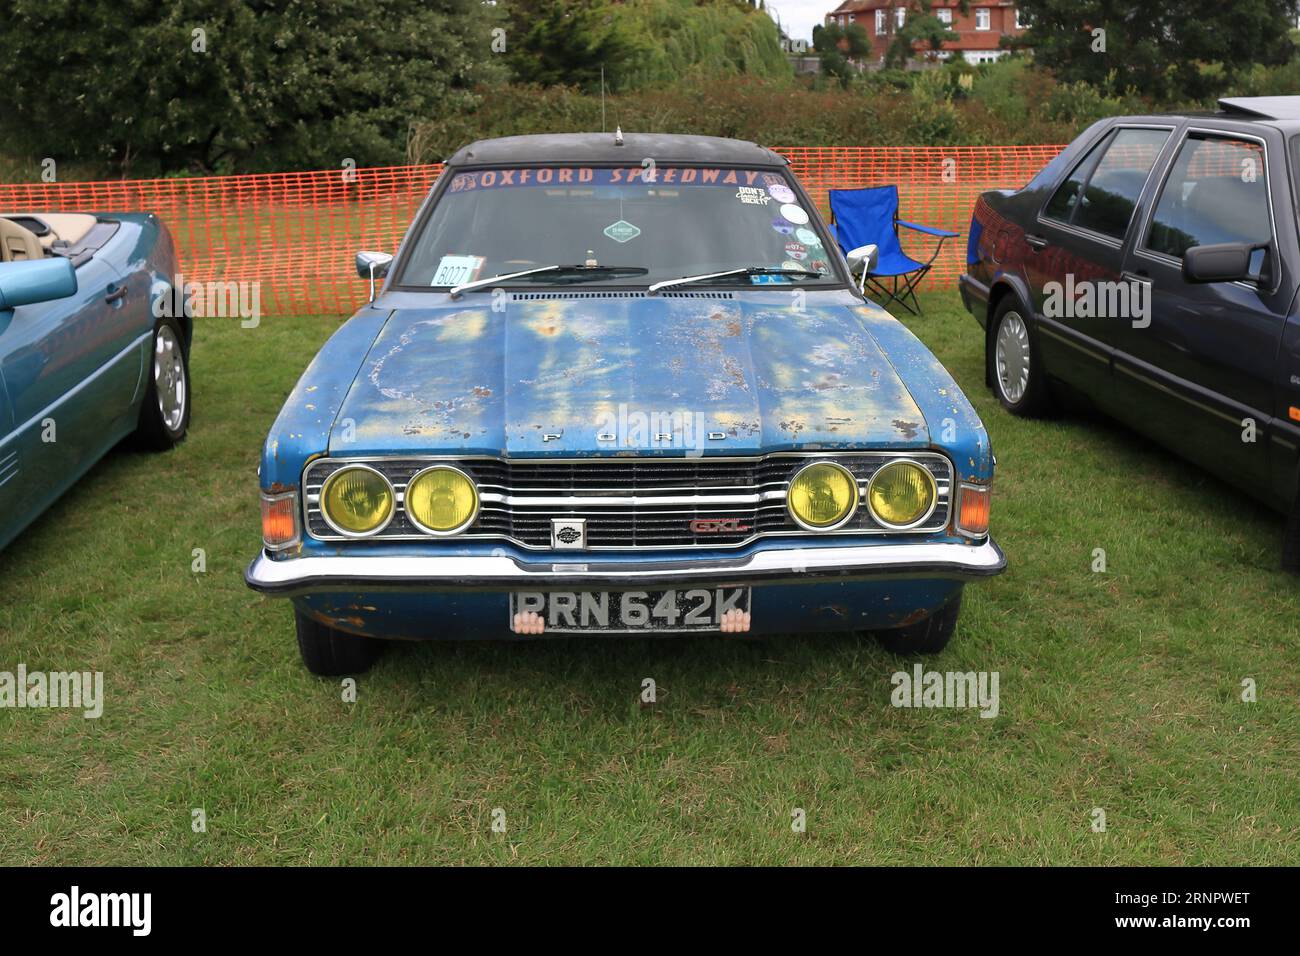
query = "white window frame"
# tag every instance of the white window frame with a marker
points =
(983, 18)
(1021, 23)
(945, 15)
(882, 22)
(900, 16)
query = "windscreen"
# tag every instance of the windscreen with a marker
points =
(670, 221)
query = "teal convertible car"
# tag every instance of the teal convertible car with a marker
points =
(84, 361)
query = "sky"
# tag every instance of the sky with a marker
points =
(799, 16)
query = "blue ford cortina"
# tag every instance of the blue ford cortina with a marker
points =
(620, 385)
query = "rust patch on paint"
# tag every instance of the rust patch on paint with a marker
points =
(909, 429)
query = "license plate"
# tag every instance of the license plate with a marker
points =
(694, 609)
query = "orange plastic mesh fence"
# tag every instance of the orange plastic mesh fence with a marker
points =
(296, 233)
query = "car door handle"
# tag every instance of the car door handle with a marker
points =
(1036, 242)
(115, 295)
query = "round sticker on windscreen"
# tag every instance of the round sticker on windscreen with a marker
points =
(781, 193)
(807, 237)
(783, 227)
(795, 214)
(796, 250)
(791, 264)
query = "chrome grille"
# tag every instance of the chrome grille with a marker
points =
(631, 502)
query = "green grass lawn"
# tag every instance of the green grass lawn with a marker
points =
(1119, 690)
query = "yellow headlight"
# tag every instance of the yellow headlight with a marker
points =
(901, 494)
(822, 495)
(357, 500)
(441, 500)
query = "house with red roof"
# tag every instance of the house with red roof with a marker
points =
(979, 32)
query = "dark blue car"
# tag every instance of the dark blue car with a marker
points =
(85, 359)
(620, 385)
(1153, 269)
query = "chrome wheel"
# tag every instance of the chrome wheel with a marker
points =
(169, 378)
(1011, 357)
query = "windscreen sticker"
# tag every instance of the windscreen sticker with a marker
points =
(791, 264)
(455, 269)
(604, 176)
(822, 266)
(795, 214)
(807, 237)
(622, 231)
(781, 192)
(783, 227)
(769, 280)
(753, 196)
(796, 250)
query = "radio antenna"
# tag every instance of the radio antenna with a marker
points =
(602, 97)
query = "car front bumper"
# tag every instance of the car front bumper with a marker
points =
(942, 561)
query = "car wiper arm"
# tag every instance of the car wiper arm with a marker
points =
(478, 283)
(584, 271)
(749, 271)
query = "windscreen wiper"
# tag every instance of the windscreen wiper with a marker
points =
(581, 272)
(750, 271)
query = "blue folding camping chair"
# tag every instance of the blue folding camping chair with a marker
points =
(862, 217)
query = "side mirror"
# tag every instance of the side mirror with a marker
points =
(36, 280)
(372, 266)
(864, 258)
(1226, 262)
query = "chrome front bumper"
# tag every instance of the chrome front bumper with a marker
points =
(922, 561)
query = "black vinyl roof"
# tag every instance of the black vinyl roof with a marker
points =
(553, 148)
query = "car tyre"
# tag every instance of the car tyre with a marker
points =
(165, 411)
(331, 653)
(928, 636)
(1015, 365)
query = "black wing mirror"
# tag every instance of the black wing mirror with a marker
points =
(1226, 262)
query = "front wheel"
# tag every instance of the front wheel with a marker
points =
(165, 414)
(1015, 365)
(331, 653)
(928, 636)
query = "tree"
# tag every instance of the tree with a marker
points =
(838, 47)
(1158, 47)
(230, 85)
(921, 29)
(645, 44)
(568, 42)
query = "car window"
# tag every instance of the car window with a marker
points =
(673, 221)
(1103, 191)
(1216, 192)
(1061, 205)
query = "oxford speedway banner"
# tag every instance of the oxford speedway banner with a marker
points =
(296, 233)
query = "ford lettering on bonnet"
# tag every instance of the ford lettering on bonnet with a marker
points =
(620, 385)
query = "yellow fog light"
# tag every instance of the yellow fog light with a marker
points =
(822, 496)
(441, 500)
(357, 501)
(902, 494)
